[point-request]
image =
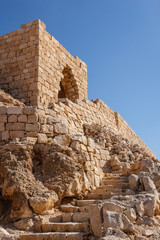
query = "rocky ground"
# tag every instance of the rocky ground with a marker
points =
(95, 185)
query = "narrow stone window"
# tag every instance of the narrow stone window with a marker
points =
(61, 93)
(68, 85)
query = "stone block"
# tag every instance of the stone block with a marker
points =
(63, 140)
(16, 134)
(29, 110)
(32, 127)
(80, 217)
(5, 135)
(47, 129)
(22, 118)
(149, 207)
(112, 219)
(15, 126)
(14, 110)
(95, 216)
(1, 127)
(67, 217)
(60, 128)
(12, 118)
(32, 119)
(113, 207)
(130, 214)
(3, 118)
(3, 110)
(32, 134)
(42, 138)
(133, 181)
(148, 184)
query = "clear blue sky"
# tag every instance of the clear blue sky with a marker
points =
(119, 40)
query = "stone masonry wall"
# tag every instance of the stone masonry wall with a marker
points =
(19, 62)
(125, 130)
(64, 118)
(35, 67)
(57, 65)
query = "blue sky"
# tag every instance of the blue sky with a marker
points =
(119, 40)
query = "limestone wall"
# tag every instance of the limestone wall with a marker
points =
(125, 130)
(64, 118)
(36, 68)
(19, 62)
(57, 65)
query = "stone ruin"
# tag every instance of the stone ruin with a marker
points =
(70, 168)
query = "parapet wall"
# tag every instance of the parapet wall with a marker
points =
(35, 67)
(43, 124)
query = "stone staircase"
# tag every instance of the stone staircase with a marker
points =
(73, 222)
(112, 184)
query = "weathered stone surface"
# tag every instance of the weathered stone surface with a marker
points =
(14, 110)
(63, 140)
(140, 208)
(60, 128)
(148, 184)
(115, 234)
(127, 225)
(133, 181)
(42, 138)
(113, 219)
(42, 203)
(24, 224)
(113, 207)
(95, 216)
(130, 214)
(149, 207)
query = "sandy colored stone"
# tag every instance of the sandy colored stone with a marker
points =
(42, 138)
(96, 219)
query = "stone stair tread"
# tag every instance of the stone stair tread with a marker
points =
(82, 203)
(69, 208)
(65, 227)
(106, 182)
(80, 217)
(84, 208)
(53, 236)
(108, 189)
(75, 217)
(104, 186)
(97, 196)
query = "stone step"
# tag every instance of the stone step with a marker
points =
(109, 188)
(66, 227)
(53, 236)
(82, 203)
(69, 208)
(115, 175)
(115, 178)
(98, 196)
(80, 217)
(105, 195)
(75, 217)
(106, 181)
(117, 185)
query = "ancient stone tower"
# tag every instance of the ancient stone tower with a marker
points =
(35, 67)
